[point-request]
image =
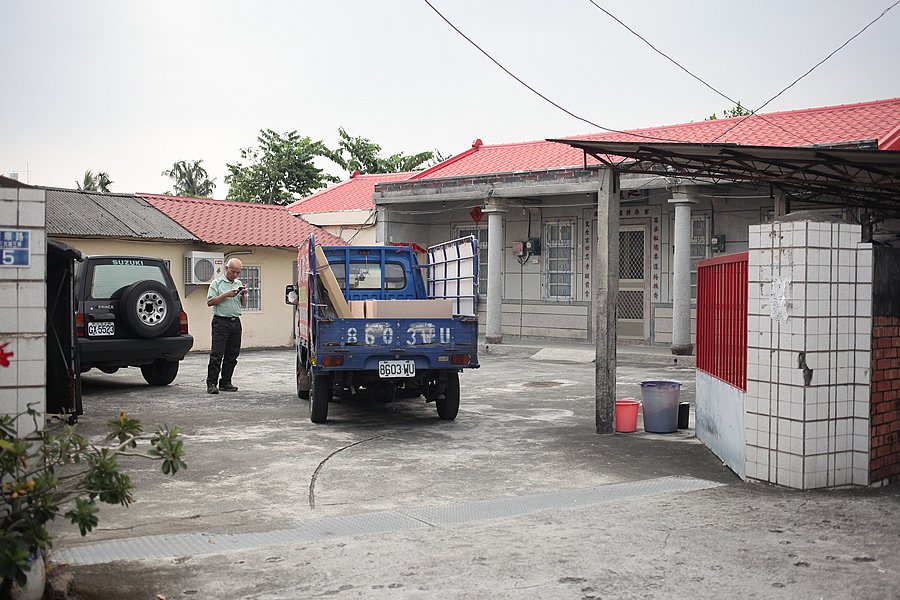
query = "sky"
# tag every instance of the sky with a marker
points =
(129, 87)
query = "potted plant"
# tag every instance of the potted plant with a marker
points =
(55, 469)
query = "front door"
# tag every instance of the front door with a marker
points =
(632, 306)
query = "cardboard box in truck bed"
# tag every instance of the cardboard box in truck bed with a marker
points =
(357, 309)
(409, 309)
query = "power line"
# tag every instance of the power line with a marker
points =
(685, 69)
(660, 52)
(814, 67)
(534, 91)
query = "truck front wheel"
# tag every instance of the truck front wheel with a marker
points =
(448, 406)
(319, 395)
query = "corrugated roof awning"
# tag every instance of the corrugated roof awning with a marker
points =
(864, 178)
(92, 214)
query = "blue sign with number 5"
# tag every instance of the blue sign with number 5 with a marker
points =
(15, 248)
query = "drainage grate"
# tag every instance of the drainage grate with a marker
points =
(373, 523)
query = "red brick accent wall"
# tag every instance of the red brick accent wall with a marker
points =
(885, 406)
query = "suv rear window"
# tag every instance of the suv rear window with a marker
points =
(109, 279)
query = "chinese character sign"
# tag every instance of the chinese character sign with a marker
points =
(15, 248)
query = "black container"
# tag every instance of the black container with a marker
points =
(684, 415)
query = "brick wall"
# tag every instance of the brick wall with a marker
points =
(885, 405)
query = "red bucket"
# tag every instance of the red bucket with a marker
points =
(627, 415)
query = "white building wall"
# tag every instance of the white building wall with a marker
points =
(23, 312)
(720, 421)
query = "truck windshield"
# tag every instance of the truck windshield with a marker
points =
(109, 279)
(367, 276)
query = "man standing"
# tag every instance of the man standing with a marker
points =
(226, 326)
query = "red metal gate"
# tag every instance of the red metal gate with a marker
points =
(722, 318)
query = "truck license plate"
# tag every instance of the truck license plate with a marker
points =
(396, 368)
(101, 328)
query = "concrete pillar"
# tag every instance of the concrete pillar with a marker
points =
(606, 293)
(381, 225)
(681, 276)
(494, 210)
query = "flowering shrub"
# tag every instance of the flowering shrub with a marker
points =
(59, 468)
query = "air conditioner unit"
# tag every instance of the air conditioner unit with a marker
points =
(202, 267)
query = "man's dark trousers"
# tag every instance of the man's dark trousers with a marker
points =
(226, 346)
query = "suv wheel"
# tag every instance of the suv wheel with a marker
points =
(160, 372)
(149, 308)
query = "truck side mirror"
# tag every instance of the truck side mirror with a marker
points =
(290, 294)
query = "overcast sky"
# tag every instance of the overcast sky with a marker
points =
(129, 87)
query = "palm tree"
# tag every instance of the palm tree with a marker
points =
(103, 182)
(95, 183)
(89, 183)
(191, 179)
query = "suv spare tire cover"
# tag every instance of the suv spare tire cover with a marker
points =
(148, 307)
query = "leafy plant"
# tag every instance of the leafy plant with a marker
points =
(363, 155)
(58, 468)
(728, 113)
(280, 171)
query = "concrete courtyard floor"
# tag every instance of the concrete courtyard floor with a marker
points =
(517, 498)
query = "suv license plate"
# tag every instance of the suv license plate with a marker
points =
(101, 328)
(396, 368)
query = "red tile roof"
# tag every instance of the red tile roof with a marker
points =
(877, 120)
(353, 194)
(239, 223)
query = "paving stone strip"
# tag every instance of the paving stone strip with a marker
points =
(372, 523)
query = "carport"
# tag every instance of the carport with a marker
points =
(868, 180)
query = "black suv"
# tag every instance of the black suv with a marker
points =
(128, 314)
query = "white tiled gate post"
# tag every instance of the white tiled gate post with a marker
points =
(809, 341)
(23, 313)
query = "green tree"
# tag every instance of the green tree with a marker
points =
(280, 171)
(190, 179)
(363, 155)
(735, 111)
(95, 183)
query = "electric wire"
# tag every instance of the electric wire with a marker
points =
(813, 68)
(534, 91)
(697, 77)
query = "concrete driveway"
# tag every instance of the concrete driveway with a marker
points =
(516, 498)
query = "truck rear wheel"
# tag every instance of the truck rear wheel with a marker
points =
(448, 406)
(319, 395)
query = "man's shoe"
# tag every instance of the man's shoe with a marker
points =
(227, 387)
(211, 388)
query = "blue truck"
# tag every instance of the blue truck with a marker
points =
(374, 319)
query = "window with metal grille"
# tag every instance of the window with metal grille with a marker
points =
(559, 258)
(700, 244)
(481, 234)
(250, 277)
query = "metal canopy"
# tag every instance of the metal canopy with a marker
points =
(864, 178)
